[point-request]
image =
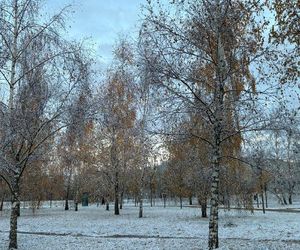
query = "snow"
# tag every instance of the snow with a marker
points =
(162, 228)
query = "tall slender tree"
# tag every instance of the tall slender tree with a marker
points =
(118, 115)
(203, 50)
(39, 70)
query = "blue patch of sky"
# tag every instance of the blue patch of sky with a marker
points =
(99, 22)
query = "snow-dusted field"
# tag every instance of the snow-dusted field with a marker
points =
(161, 228)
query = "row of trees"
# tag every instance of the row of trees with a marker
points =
(180, 177)
(182, 112)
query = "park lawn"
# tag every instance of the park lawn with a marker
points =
(161, 228)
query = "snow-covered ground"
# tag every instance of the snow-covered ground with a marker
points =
(162, 228)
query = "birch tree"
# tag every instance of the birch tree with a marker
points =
(143, 138)
(202, 50)
(75, 152)
(118, 116)
(39, 70)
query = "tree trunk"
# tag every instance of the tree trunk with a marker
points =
(121, 200)
(107, 206)
(180, 200)
(115, 164)
(263, 202)
(151, 196)
(67, 194)
(76, 206)
(15, 206)
(284, 200)
(1, 204)
(19, 209)
(33, 206)
(67, 204)
(203, 203)
(213, 239)
(204, 209)
(141, 208)
(117, 211)
(191, 200)
(290, 199)
(135, 201)
(266, 196)
(222, 74)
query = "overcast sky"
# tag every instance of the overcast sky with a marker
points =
(102, 21)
